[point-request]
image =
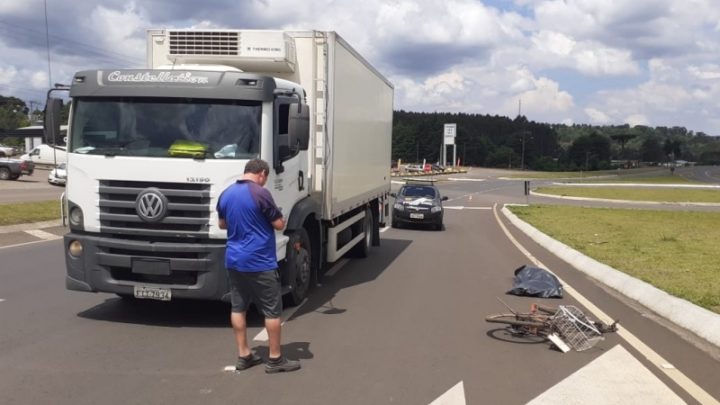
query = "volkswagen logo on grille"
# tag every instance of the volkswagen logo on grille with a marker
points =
(151, 205)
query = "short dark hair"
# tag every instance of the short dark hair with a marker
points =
(257, 166)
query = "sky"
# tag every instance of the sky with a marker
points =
(599, 62)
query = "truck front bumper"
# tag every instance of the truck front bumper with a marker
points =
(189, 270)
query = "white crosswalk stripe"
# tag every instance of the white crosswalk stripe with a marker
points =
(42, 234)
(616, 377)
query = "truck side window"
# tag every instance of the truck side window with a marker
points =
(285, 150)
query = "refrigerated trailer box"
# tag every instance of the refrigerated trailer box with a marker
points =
(180, 132)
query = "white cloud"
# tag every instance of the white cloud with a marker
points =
(597, 116)
(39, 80)
(705, 72)
(26, 7)
(8, 74)
(554, 43)
(568, 60)
(637, 119)
(598, 60)
(122, 32)
(545, 97)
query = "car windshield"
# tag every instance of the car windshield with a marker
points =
(174, 128)
(418, 191)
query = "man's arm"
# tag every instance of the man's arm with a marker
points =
(221, 223)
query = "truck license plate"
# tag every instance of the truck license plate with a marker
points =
(153, 293)
(417, 216)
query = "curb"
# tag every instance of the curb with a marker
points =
(700, 321)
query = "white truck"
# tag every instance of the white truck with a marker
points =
(46, 155)
(150, 151)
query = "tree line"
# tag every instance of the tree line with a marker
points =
(496, 141)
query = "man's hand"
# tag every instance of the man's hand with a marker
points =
(279, 224)
(222, 224)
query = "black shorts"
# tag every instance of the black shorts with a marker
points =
(261, 288)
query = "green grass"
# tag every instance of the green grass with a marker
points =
(617, 173)
(12, 214)
(645, 180)
(677, 252)
(676, 195)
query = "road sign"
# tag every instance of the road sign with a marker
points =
(450, 130)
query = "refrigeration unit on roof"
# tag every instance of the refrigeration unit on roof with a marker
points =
(250, 51)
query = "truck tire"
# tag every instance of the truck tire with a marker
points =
(4, 173)
(299, 264)
(363, 247)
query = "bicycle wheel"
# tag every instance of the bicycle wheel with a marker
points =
(529, 321)
(518, 329)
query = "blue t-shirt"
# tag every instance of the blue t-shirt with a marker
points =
(249, 210)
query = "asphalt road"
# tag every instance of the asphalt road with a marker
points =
(404, 326)
(29, 188)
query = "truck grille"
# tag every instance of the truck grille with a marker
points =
(187, 216)
(203, 43)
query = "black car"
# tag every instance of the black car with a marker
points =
(418, 203)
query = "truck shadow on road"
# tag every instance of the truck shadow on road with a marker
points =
(212, 314)
(179, 313)
(355, 272)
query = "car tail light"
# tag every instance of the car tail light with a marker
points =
(23, 165)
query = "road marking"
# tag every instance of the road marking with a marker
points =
(263, 335)
(461, 207)
(462, 179)
(42, 234)
(23, 244)
(2, 299)
(453, 396)
(616, 377)
(384, 229)
(674, 374)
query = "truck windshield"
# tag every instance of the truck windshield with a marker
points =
(173, 128)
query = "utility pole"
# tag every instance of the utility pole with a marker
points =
(522, 155)
(32, 103)
(587, 160)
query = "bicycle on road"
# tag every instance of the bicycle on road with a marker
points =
(566, 326)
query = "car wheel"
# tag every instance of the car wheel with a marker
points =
(4, 173)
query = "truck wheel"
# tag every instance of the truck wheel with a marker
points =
(4, 173)
(363, 247)
(298, 262)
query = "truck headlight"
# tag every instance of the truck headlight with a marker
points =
(76, 216)
(435, 209)
(399, 207)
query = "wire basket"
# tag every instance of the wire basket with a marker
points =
(575, 328)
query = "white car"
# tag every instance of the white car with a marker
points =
(58, 175)
(7, 151)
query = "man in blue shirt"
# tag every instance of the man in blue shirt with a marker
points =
(248, 212)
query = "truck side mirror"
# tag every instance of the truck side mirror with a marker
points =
(299, 126)
(51, 123)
